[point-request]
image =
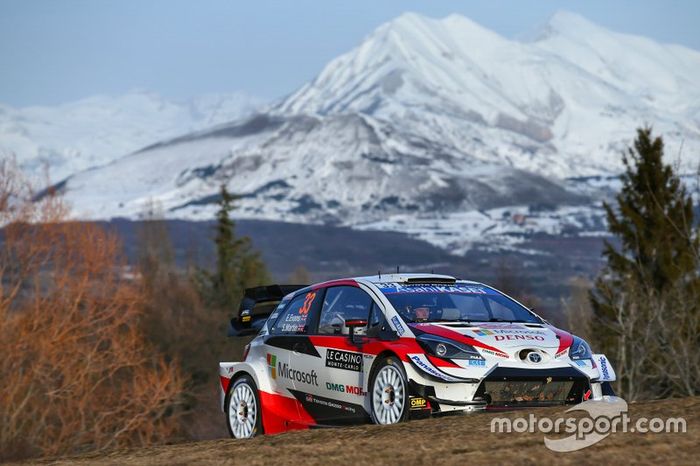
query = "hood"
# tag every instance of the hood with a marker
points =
(500, 335)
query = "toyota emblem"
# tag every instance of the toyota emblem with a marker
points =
(534, 357)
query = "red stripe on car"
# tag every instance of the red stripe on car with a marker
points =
(400, 347)
(225, 381)
(565, 339)
(281, 413)
(439, 362)
(343, 282)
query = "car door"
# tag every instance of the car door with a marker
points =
(342, 364)
(287, 339)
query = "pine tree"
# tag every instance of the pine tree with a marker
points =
(238, 266)
(655, 265)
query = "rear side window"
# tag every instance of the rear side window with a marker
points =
(340, 304)
(295, 318)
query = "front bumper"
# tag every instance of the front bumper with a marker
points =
(507, 388)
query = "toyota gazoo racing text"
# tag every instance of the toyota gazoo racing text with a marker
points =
(387, 348)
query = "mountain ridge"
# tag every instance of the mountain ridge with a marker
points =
(435, 127)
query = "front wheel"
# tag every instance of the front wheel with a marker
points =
(243, 409)
(389, 392)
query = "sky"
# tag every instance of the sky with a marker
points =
(56, 51)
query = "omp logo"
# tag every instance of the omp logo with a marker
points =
(418, 402)
(272, 365)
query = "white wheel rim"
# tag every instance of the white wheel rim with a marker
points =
(388, 395)
(242, 411)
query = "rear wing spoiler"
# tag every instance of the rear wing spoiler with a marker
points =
(256, 306)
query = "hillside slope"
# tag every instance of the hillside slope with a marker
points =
(451, 440)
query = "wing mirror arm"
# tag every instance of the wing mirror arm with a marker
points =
(352, 325)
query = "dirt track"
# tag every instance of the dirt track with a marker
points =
(451, 440)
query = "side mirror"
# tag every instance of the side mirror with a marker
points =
(352, 325)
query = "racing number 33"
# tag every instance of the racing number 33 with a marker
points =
(308, 300)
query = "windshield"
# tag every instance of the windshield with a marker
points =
(454, 303)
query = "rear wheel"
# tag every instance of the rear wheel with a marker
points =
(243, 409)
(389, 402)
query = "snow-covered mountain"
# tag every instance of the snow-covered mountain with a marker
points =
(563, 104)
(79, 135)
(437, 127)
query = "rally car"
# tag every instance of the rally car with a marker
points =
(387, 348)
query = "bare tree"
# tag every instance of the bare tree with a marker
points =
(77, 372)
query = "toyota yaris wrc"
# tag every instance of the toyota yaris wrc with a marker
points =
(387, 348)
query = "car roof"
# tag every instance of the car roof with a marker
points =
(413, 277)
(416, 278)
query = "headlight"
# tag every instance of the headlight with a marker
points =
(580, 350)
(448, 349)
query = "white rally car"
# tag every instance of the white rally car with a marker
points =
(387, 348)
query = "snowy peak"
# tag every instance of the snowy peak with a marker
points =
(564, 104)
(96, 130)
(568, 23)
(636, 63)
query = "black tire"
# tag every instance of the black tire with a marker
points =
(246, 421)
(388, 405)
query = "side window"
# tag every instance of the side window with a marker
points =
(342, 303)
(295, 317)
(275, 314)
(375, 317)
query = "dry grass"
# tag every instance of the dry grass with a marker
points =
(450, 440)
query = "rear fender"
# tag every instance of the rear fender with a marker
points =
(230, 371)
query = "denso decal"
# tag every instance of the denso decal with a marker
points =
(518, 337)
(426, 366)
(344, 360)
(397, 323)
